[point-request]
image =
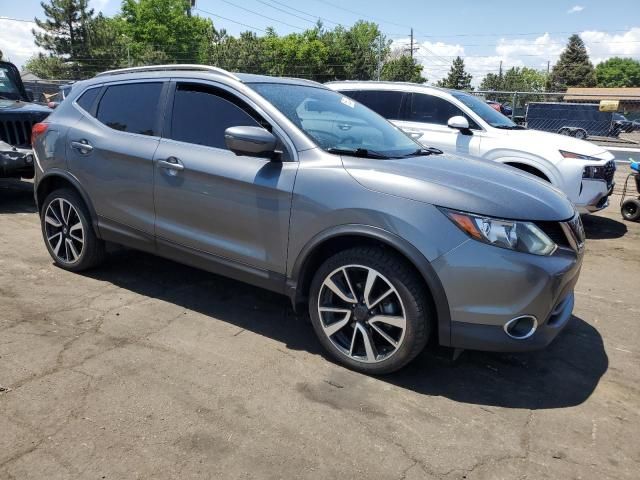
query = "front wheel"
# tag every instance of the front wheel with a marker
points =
(370, 310)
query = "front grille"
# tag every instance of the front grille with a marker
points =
(609, 171)
(16, 132)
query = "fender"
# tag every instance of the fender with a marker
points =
(539, 163)
(58, 173)
(410, 252)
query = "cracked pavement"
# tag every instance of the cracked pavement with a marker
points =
(144, 368)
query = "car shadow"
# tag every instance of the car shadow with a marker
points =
(16, 196)
(565, 374)
(602, 228)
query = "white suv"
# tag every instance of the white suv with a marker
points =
(458, 122)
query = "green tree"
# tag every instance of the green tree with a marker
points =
(64, 32)
(402, 69)
(492, 81)
(457, 78)
(49, 67)
(573, 68)
(618, 72)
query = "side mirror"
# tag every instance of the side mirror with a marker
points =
(458, 122)
(29, 94)
(253, 141)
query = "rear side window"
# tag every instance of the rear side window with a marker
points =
(131, 107)
(429, 109)
(201, 115)
(87, 99)
(383, 102)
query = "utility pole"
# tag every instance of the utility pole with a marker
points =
(379, 69)
(411, 47)
(412, 42)
(500, 71)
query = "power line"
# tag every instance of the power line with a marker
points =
(17, 20)
(261, 15)
(230, 20)
(285, 12)
(362, 14)
(305, 13)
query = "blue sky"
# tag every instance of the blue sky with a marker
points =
(484, 33)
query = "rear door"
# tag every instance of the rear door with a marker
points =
(213, 201)
(110, 150)
(426, 116)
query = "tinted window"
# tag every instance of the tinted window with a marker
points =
(201, 115)
(131, 108)
(87, 98)
(430, 109)
(382, 102)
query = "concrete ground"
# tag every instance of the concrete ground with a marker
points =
(148, 369)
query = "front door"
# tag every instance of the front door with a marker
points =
(211, 201)
(425, 116)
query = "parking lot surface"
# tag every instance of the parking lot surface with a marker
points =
(144, 368)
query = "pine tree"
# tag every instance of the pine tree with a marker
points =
(458, 78)
(573, 69)
(65, 31)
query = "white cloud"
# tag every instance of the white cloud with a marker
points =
(575, 9)
(16, 41)
(534, 53)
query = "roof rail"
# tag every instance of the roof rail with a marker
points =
(169, 67)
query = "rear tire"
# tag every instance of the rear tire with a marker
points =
(581, 134)
(376, 317)
(630, 209)
(68, 232)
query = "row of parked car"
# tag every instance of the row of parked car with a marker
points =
(396, 215)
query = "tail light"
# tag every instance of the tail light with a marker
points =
(37, 130)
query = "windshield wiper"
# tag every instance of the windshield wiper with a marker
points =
(424, 152)
(357, 152)
(509, 127)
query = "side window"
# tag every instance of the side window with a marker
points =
(131, 107)
(384, 102)
(86, 100)
(429, 109)
(201, 115)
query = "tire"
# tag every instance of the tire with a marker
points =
(397, 307)
(564, 131)
(68, 232)
(630, 209)
(580, 134)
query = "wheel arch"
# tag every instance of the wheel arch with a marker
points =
(343, 237)
(60, 179)
(533, 170)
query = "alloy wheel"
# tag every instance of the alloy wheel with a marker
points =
(64, 231)
(361, 313)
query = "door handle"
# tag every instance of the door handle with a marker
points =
(171, 163)
(82, 146)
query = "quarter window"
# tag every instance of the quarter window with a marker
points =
(87, 98)
(201, 115)
(132, 107)
(383, 102)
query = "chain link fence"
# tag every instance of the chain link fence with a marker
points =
(612, 118)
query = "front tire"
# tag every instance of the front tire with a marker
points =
(370, 310)
(68, 233)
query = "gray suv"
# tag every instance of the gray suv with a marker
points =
(288, 185)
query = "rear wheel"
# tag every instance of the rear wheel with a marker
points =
(369, 310)
(565, 131)
(581, 134)
(631, 209)
(68, 233)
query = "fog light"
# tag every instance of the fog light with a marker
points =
(29, 158)
(522, 327)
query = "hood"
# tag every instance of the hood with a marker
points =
(464, 183)
(558, 142)
(18, 106)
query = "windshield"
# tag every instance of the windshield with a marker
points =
(337, 123)
(484, 111)
(8, 88)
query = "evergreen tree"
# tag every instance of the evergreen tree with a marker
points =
(458, 78)
(65, 29)
(573, 69)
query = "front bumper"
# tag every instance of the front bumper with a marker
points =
(487, 286)
(594, 196)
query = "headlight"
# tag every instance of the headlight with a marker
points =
(510, 234)
(578, 156)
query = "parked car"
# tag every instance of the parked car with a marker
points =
(17, 115)
(622, 125)
(458, 122)
(290, 186)
(503, 108)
